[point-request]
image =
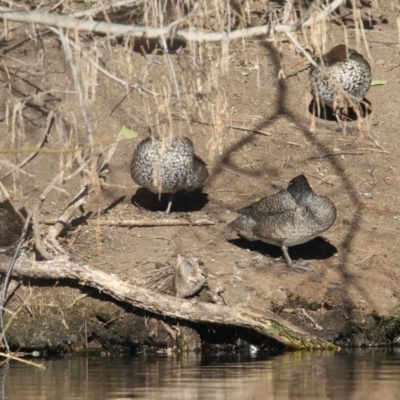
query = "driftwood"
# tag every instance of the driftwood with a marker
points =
(265, 323)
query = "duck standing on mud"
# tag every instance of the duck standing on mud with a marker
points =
(287, 218)
(341, 80)
(168, 165)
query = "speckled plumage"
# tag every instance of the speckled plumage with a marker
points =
(287, 218)
(341, 70)
(166, 166)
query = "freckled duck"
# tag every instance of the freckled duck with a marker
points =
(341, 72)
(287, 218)
(168, 165)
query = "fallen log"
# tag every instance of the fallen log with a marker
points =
(265, 323)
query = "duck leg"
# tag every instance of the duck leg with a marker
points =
(296, 266)
(341, 119)
(170, 200)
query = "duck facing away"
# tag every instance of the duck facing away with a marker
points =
(343, 75)
(166, 166)
(287, 218)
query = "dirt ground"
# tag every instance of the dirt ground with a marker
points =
(355, 282)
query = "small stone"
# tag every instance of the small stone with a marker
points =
(240, 264)
(258, 257)
(368, 196)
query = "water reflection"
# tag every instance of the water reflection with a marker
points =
(357, 375)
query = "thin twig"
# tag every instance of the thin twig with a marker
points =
(310, 21)
(199, 121)
(104, 7)
(53, 233)
(301, 49)
(317, 326)
(339, 153)
(307, 173)
(369, 257)
(110, 153)
(12, 288)
(56, 151)
(78, 86)
(11, 357)
(82, 296)
(38, 146)
(79, 199)
(169, 330)
(7, 278)
(111, 75)
(319, 178)
(25, 303)
(242, 128)
(142, 222)
(171, 67)
(375, 150)
(37, 237)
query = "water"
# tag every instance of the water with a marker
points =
(356, 375)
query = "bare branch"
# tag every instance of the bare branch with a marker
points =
(68, 22)
(142, 222)
(22, 360)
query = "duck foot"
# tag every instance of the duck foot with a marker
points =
(170, 200)
(162, 215)
(345, 129)
(300, 267)
(341, 120)
(297, 266)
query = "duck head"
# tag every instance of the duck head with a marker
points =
(300, 189)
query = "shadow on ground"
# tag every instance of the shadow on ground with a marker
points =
(325, 112)
(184, 201)
(316, 249)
